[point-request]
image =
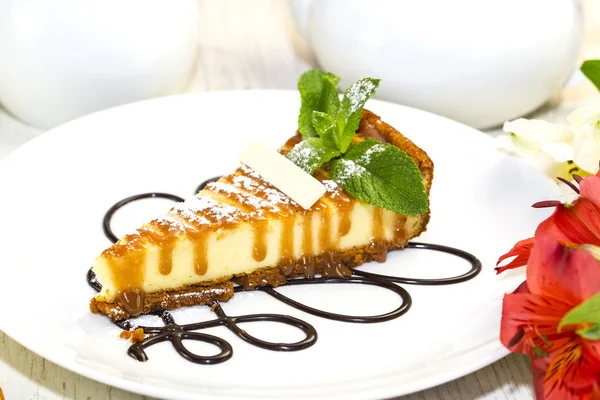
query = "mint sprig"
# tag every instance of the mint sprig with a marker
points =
(377, 173)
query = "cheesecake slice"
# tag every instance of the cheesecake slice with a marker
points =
(242, 230)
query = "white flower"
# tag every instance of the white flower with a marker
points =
(585, 125)
(558, 150)
(548, 146)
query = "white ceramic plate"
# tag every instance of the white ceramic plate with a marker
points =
(56, 189)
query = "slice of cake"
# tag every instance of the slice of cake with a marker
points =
(242, 230)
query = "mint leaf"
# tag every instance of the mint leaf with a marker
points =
(353, 102)
(330, 97)
(588, 311)
(591, 332)
(591, 69)
(311, 87)
(381, 175)
(311, 153)
(324, 124)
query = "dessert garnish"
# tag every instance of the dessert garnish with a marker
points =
(295, 183)
(376, 173)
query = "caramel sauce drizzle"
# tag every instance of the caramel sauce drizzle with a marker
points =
(200, 255)
(325, 231)
(128, 276)
(400, 229)
(286, 263)
(307, 260)
(345, 222)
(260, 237)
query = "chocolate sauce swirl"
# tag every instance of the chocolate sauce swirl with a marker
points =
(175, 333)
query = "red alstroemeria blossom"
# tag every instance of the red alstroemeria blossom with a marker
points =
(558, 279)
(571, 224)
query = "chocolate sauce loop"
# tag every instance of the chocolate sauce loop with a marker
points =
(232, 324)
(176, 334)
(472, 273)
(111, 211)
(402, 309)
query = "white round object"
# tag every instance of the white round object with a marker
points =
(67, 58)
(479, 62)
(480, 202)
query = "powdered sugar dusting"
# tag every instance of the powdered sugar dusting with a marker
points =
(330, 186)
(203, 210)
(171, 224)
(271, 200)
(366, 158)
(302, 156)
(349, 170)
(358, 92)
(270, 196)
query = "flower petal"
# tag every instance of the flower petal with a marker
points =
(559, 152)
(574, 370)
(587, 151)
(538, 371)
(520, 251)
(561, 273)
(586, 115)
(579, 223)
(529, 320)
(590, 189)
(538, 131)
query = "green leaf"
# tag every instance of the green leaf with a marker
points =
(381, 175)
(311, 87)
(591, 69)
(330, 97)
(311, 153)
(324, 124)
(353, 102)
(591, 332)
(586, 312)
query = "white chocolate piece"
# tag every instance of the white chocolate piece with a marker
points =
(282, 173)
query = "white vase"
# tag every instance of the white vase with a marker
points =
(65, 58)
(481, 62)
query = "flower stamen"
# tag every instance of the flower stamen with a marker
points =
(569, 184)
(546, 204)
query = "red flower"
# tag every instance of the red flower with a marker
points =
(559, 278)
(570, 224)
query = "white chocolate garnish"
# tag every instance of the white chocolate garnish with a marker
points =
(282, 173)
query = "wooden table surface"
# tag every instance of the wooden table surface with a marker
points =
(254, 45)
